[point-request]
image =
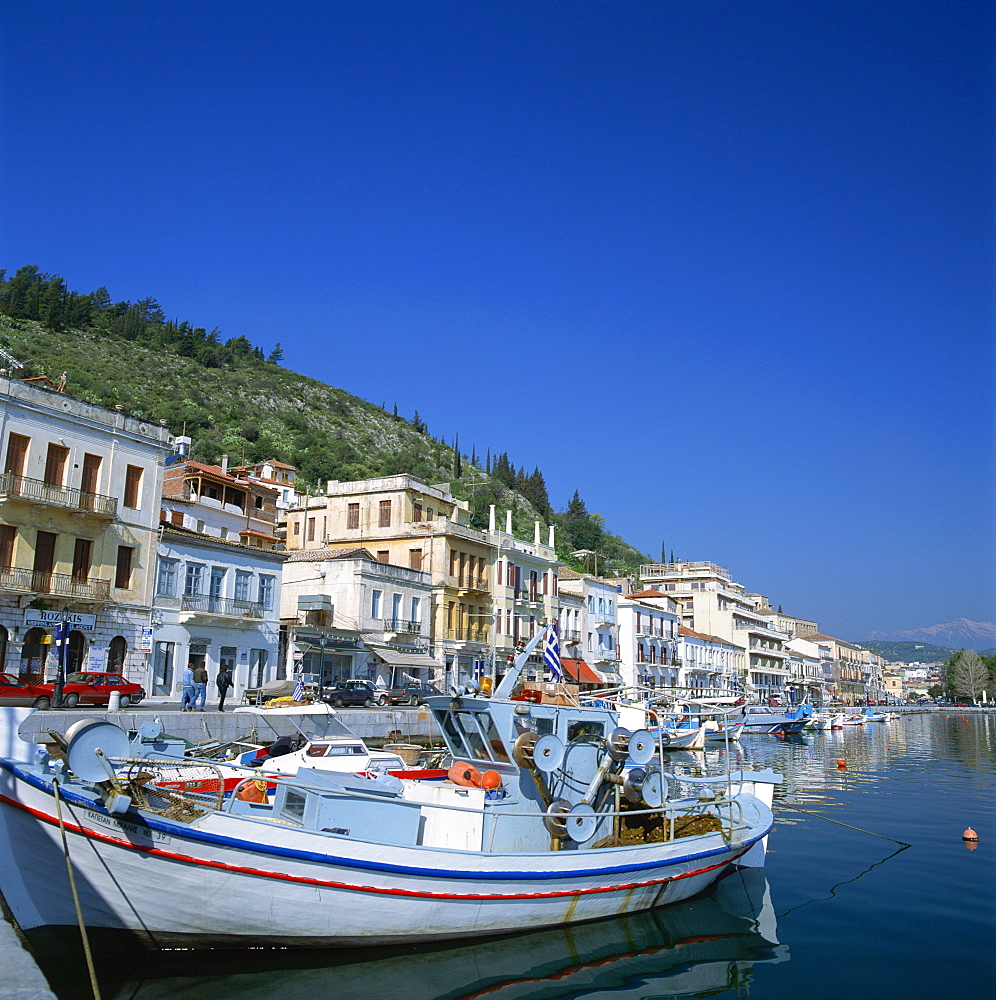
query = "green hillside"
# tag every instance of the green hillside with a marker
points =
(908, 652)
(231, 399)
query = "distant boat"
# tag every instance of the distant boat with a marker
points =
(775, 720)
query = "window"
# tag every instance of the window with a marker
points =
(415, 559)
(166, 579)
(17, 453)
(416, 614)
(395, 607)
(242, 579)
(376, 597)
(384, 520)
(55, 465)
(591, 604)
(216, 587)
(311, 529)
(383, 555)
(498, 573)
(416, 512)
(353, 515)
(259, 503)
(297, 528)
(428, 513)
(90, 477)
(133, 486)
(122, 575)
(82, 560)
(192, 582)
(7, 536)
(266, 592)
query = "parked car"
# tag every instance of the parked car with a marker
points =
(412, 693)
(94, 687)
(354, 692)
(19, 694)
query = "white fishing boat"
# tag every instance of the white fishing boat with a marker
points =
(536, 826)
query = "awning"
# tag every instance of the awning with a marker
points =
(400, 658)
(579, 671)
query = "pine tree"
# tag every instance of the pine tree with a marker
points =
(457, 470)
(276, 355)
(663, 553)
(487, 468)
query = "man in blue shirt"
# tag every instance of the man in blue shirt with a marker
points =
(187, 700)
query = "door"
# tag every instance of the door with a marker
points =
(44, 561)
(82, 560)
(55, 465)
(89, 481)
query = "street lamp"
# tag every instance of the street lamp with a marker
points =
(60, 677)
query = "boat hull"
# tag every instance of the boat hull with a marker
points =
(206, 884)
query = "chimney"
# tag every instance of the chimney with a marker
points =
(536, 540)
(491, 518)
(550, 543)
(224, 465)
(508, 522)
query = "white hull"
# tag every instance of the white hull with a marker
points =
(206, 884)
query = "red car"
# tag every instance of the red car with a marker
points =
(14, 692)
(94, 688)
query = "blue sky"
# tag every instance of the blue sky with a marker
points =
(723, 267)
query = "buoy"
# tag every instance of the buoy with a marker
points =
(970, 834)
(841, 763)
(491, 779)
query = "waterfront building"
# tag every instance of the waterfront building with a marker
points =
(806, 682)
(708, 663)
(277, 475)
(346, 614)
(648, 639)
(844, 663)
(79, 513)
(788, 625)
(408, 523)
(712, 603)
(218, 579)
(588, 627)
(524, 590)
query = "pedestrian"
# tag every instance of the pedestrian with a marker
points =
(224, 682)
(187, 700)
(200, 687)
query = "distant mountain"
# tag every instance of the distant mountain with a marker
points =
(959, 634)
(893, 651)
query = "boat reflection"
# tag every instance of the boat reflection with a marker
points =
(702, 946)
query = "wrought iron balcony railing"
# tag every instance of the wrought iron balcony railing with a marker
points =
(202, 604)
(402, 625)
(27, 581)
(37, 491)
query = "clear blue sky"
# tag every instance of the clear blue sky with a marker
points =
(724, 267)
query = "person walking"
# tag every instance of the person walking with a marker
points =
(224, 682)
(200, 687)
(187, 699)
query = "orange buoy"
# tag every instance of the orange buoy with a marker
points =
(251, 790)
(841, 763)
(462, 773)
(971, 835)
(491, 779)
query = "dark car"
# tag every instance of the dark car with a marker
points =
(351, 693)
(412, 693)
(18, 694)
(94, 687)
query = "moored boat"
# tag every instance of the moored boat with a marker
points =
(535, 826)
(775, 720)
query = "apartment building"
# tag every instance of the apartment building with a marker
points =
(708, 663)
(218, 579)
(79, 513)
(408, 523)
(845, 664)
(347, 614)
(589, 632)
(648, 639)
(277, 475)
(524, 591)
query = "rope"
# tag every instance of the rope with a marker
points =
(76, 898)
(816, 815)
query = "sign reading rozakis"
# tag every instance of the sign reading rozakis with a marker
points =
(53, 619)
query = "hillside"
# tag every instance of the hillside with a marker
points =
(894, 651)
(231, 400)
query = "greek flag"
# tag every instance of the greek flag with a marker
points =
(298, 690)
(551, 654)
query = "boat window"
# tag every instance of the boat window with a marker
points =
(498, 751)
(585, 729)
(317, 749)
(472, 735)
(294, 805)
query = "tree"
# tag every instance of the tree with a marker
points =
(968, 674)
(457, 469)
(276, 355)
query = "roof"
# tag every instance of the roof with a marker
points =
(259, 534)
(682, 630)
(175, 529)
(190, 467)
(323, 555)
(651, 594)
(579, 671)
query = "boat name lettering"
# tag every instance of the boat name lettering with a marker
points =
(130, 830)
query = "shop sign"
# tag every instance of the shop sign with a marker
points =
(53, 619)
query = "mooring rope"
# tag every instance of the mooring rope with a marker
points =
(816, 815)
(76, 898)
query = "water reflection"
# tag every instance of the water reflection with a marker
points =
(704, 946)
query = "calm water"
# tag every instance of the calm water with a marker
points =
(837, 912)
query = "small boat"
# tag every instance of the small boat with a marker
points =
(535, 826)
(776, 720)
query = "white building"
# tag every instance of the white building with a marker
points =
(708, 663)
(648, 640)
(588, 628)
(79, 512)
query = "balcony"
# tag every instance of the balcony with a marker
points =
(477, 583)
(471, 634)
(221, 607)
(26, 581)
(605, 656)
(49, 495)
(570, 635)
(402, 626)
